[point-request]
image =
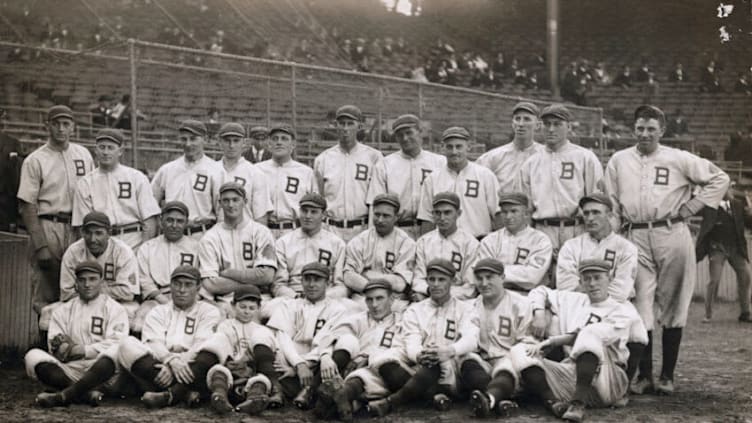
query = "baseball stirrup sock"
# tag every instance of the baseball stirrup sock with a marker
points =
(473, 376)
(587, 366)
(395, 377)
(635, 354)
(264, 358)
(646, 361)
(671, 341)
(145, 368)
(100, 372)
(341, 359)
(52, 375)
(417, 386)
(535, 379)
(204, 361)
(501, 386)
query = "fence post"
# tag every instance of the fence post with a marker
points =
(294, 99)
(269, 102)
(134, 103)
(379, 117)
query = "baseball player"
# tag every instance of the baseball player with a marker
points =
(595, 330)
(248, 346)
(343, 173)
(121, 192)
(259, 150)
(120, 271)
(288, 180)
(193, 179)
(311, 242)
(598, 242)
(237, 169)
(49, 177)
(524, 251)
(82, 342)
(172, 358)
(304, 329)
(655, 189)
(383, 252)
(405, 170)
(504, 320)
(158, 257)
(236, 252)
(449, 242)
(556, 178)
(437, 333)
(505, 161)
(475, 185)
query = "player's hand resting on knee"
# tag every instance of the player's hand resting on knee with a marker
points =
(304, 374)
(181, 370)
(328, 367)
(164, 377)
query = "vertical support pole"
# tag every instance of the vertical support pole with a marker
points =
(134, 102)
(268, 102)
(379, 117)
(293, 81)
(552, 45)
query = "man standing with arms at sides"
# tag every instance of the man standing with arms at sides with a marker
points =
(475, 186)
(652, 188)
(405, 171)
(235, 168)
(193, 179)
(288, 181)
(258, 151)
(344, 172)
(505, 161)
(49, 177)
(121, 192)
(556, 178)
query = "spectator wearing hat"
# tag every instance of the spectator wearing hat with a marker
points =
(308, 243)
(524, 251)
(49, 177)
(258, 150)
(100, 112)
(404, 172)
(159, 256)
(235, 168)
(505, 161)
(602, 338)
(82, 342)
(119, 191)
(438, 332)
(475, 186)
(192, 179)
(598, 242)
(238, 251)
(381, 253)
(173, 359)
(555, 179)
(344, 172)
(448, 242)
(288, 181)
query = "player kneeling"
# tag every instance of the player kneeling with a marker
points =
(82, 339)
(595, 330)
(247, 377)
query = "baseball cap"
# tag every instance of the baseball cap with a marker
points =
(186, 271)
(313, 199)
(348, 110)
(489, 264)
(455, 132)
(316, 268)
(387, 198)
(231, 129)
(59, 111)
(441, 265)
(195, 127)
(446, 197)
(283, 127)
(596, 265)
(557, 110)
(246, 292)
(96, 218)
(527, 107)
(377, 284)
(175, 205)
(517, 198)
(405, 121)
(256, 130)
(88, 266)
(110, 134)
(232, 186)
(596, 197)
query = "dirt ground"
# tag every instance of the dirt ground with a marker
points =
(713, 382)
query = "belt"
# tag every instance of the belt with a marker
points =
(567, 221)
(57, 218)
(125, 229)
(199, 228)
(283, 225)
(649, 225)
(407, 223)
(348, 223)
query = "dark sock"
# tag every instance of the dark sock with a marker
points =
(646, 361)
(417, 386)
(341, 359)
(200, 367)
(534, 379)
(587, 366)
(145, 368)
(99, 372)
(473, 376)
(219, 383)
(501, 386)
(290, 386)
(179, 393)
(671, 341)
(264, 358)
(395, 377)
(635, 354)
(354, 388)
(52, 375)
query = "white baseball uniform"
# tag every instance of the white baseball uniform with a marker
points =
(505, 162)
(288, 183)
(393, 254)
(297, 249)
(255, 183)
(478, 190)
(526, 256)
(460, 248)
(119, 265)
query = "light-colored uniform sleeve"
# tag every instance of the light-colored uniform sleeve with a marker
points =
(57, 325)
(262, 201)
(149, 287)
(30, 182)
(126, 279)
(158, 185)
(611, 185)
(117, 329)
(469, 327)
(419, 283)
(82, 204)
(471, 256)
(209, 258)
(338, 288)
(492, 195)
(67, 276)
(712, 182)
(622, 286)
(405, 260)
(154, 334)
(593, 174)
(282, 276)
(147, 204)
(378, 181)
(530, 275)
(567, 276)
(522, 182)
(411, 332)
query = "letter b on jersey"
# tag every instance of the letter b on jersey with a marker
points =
(361, 172)
(124, 190)
(292, 185)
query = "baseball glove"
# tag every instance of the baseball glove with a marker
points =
(63, 348)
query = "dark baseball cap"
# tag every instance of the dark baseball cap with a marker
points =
(232, 186)
(517, 198)
(231, 129)
(405, 121)
(350, 111)
(96, 218)
(256, 130)
(316, 268)
(313, 199)
(246, 292)
(176, 205)
(596, 197)
(59, 111)
(527, 107)
(455, 132)
(377, 284)
(283, 127)
(89, 266)
(195, 127)
(441, 265)
(489, 264)
(186, 271)
(557, 110)
(448, 198)
(111, 134)
(389, 198)
(595, 265)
